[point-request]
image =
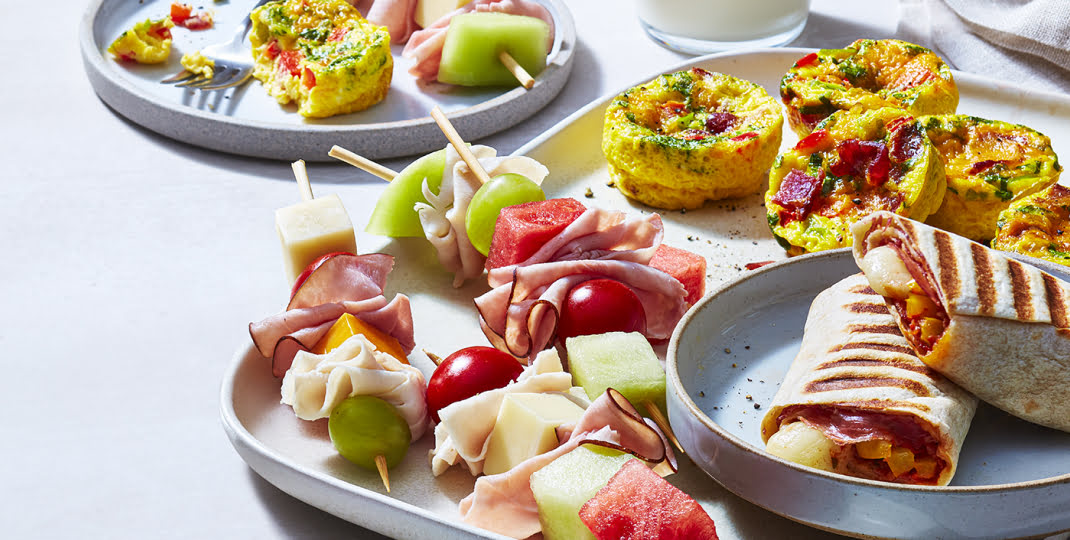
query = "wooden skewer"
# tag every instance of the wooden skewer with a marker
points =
(458, 145)
(301, 173)
(380, 463)
(362, 163)
(434, 357)
(663, 423)
(522, 76)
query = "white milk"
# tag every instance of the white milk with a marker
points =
(723, 20)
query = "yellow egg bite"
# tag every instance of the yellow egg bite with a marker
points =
(691, 136)
(989, 164)
(320, 54)
(148, 42)
(867, 73)
(854, 163)
(1037, 225)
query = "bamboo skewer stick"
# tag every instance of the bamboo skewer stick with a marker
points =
(522, 76)
(663, 423)
(380, 463)
(362, 163)
(434, 357)
(458, 145)
(301, 174)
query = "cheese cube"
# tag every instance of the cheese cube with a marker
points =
(313, 228)
(429, 11)
(526, 427)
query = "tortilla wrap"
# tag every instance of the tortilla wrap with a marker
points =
(857, 379)
(1006, 335)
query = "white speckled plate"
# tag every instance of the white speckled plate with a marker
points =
(247, 121)
(725, 363)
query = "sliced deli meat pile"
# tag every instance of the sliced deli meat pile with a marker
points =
(997, 327)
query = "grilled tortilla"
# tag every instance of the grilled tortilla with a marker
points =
(997, 327)
(858, 401)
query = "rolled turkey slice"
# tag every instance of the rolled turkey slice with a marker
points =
(997, 327)
(858, 401)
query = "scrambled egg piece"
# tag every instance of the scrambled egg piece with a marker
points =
(691, 136)
(197, 63)
(854, 163)
(148, 42)
(989, 164)
(868, 73)
(1037, 225)
(320, 54)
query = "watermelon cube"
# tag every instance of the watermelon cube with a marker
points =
(637, 504)
(522, 229)
(563, 486)
(688, 268)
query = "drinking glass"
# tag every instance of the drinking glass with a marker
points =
(705, 26)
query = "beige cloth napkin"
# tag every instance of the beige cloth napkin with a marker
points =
(1024, 41)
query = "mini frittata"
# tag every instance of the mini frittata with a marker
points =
(148, 42)
(854, 163)
(868, 73)
(320, 54)
(1037, 225)
(691, 136)
(989, 164)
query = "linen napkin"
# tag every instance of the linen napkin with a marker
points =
(1024, 41)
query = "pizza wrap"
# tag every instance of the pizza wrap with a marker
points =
(857, 401)
(997, 327)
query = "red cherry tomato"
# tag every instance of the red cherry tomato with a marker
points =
(312, 268)
(599, 306)
(468, 372)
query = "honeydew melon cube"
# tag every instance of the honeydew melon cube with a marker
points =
(623, 361)
(473, 41)
(312, 228)
(394, 214)
(567, 483)
(526, 427)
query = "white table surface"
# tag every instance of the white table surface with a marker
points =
(132, 265)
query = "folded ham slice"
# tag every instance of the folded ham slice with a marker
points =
(504, 503)
(398, 16)
(317, 383)
(342, 284)
(425, 46)
(443, 217)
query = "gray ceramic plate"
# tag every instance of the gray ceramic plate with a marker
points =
(247, 121)
(725, 363)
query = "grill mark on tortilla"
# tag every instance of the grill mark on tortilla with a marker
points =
(851, 382)
(915, 366)
(986, 288)
(875, 329)
(1023, 306)
(884, 404)
(949, 271)
(1056, 303)
(867, 307)
(862, 289)
(886, 347)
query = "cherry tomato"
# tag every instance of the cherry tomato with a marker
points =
(599, 306)
(312, 268)
(468, 372)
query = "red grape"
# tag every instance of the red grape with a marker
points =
(312, 268)
(468, 372)
(599, 306)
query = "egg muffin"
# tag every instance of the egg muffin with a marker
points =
(854, 163)
(320, 54)
(691, 136)
(1037, 225)
(148, 42)
(989, 164)
(868, 73)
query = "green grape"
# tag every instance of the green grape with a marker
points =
(363, 427)
(503, 190)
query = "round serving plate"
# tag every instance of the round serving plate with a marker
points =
(725, 362)
(247, 121)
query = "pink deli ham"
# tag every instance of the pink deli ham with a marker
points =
(425, 46)
(503, 503)
(519, 315)
(342, 284)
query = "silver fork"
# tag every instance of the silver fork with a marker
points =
(233, 62)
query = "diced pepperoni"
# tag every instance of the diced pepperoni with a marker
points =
(807, 60)
(796, 195)
(811, 120)
(982, 166)
(672, 109)
(720, 122)
(868, 159)
(906, 139)
(700, 72)
(813, 141)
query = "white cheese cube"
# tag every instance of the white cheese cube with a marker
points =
(429, 11)
(526, 427)
(313, 228)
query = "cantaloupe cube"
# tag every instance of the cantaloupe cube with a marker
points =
(623, 361)
(348, 326)
(470, 53)
(566, 484)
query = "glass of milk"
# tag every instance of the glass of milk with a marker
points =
(705, 26)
